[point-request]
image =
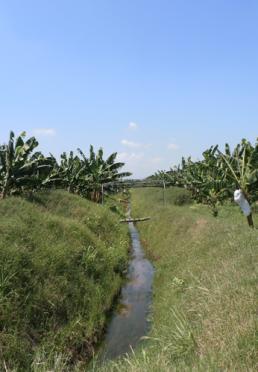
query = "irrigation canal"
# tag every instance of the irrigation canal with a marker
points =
(130, 322)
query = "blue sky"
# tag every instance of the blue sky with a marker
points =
(152, 80)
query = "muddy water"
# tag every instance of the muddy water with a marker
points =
(130, 320)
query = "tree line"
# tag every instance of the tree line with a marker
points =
(24, 170)
(214, 179)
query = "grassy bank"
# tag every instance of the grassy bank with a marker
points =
(205, 289)
(61, 260)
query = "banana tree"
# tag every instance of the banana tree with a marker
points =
(98, 172)
(205, 179)
(241, 167)
(69, 173)
(175, 176)
(20, 169)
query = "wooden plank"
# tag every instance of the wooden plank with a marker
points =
(128, 220)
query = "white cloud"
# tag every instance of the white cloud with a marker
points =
(128, 157)
(44, 132)
(173, 146)
(133, 126)
(135, 145)
(130, 143)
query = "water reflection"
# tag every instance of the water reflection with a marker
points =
(130, 321)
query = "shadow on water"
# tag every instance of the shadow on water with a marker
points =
(130, 320)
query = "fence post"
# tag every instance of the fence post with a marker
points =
(102, 194)
(164, 193)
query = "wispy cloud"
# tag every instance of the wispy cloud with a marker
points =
(44, 132)
(132, 144)
(173, 146)
(133, 126)
(128, 157)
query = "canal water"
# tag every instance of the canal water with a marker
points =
(130, 320)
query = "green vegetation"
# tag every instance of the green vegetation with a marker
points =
(63, 258)
(204, 315)
(62, 262)
(23, 171)
(214, 179)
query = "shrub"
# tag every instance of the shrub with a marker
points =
(183, 198)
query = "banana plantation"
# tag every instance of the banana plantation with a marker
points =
(211, 181)
(24, 170)
(214, 179)
(65, 260)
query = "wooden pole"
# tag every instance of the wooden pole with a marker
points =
(164, 193)
(250, 220)
(102, 194)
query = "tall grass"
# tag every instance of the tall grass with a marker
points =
(204, 314)
(61, 264)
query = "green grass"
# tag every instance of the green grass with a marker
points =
(204, 313)
(61, 264)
